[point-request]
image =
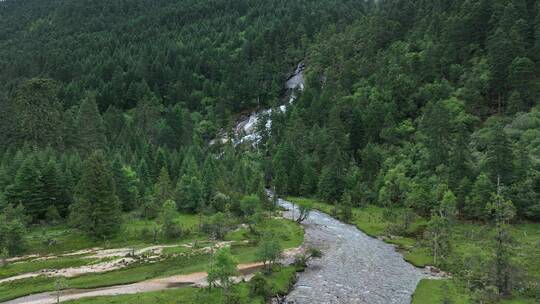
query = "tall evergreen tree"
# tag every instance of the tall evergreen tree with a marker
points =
(189, 193)
(480, 193)
(502, 211)
(97, 209)
(91, 131)
(51, 179)
(499, 155)
(28, 189)
(163, 189)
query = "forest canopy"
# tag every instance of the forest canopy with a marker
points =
(426, 106)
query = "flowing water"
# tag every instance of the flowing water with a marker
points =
(247, 127)
(354, 268)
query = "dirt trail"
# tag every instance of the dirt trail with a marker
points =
(124, 257)
(197, 279)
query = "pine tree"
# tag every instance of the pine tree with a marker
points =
(13, 229)
(168, 219)
(330, 183)
(146, 116)
(126, 184)
(163, 189)
(502, 211)
(459, 167)
(189, 193)
(209, 178)
(97, 210)
(28, 189)
(51, 179)
(499, 156)
(435, 133)
(144, 173)
(524, 90)
(309, 180)
(91, 131)
(345, 205)
(70, 132)
(480, 194)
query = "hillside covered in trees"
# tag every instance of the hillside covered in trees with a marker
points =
(425, 109)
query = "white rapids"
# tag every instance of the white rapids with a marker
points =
(247, 128)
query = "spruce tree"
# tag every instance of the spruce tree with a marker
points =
(97, 209)
(51, 179)
(499, 156)
(28, 189)
(163, 189)
(189, 193)
(480, 194)
(502, 211)
(91, 131)
(13, 229)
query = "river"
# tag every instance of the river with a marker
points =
(354, 267)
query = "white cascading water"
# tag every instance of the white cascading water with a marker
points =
(246, 129)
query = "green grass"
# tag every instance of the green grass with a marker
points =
(368, 219)
(282, 280)
(419, 257)
(290, 234)
(36, 265)
(172, 296)
(68, 239)
(436, 291)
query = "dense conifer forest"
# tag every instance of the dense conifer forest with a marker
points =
(426, 110)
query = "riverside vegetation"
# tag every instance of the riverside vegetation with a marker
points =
(418, 121)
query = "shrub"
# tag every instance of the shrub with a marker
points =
(259, 286)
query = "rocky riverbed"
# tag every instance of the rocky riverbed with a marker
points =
(354, 268)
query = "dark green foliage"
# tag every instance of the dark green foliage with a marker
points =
(35, 114)
(405, 102)
(13, 229)
(97, 209)
(90, 128)
(476, 204)
(167, 219)
(249, 205)
(189, 193)
(499, 155)
(163, 189)
(259, 286)
(345, 207)
(28, 189)
(127, 185)
(501, 212)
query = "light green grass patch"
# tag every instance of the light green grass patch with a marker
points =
(289, 233)
(36, 265)
(436, 291)
(61, 238)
